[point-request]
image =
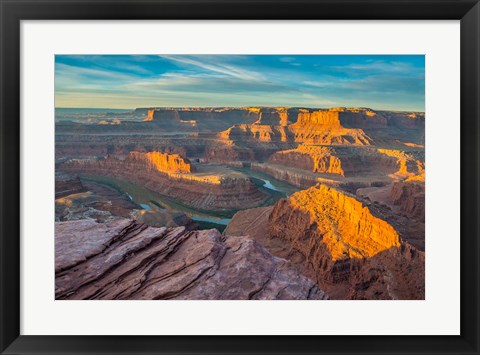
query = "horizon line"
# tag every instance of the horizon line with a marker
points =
(245, 106)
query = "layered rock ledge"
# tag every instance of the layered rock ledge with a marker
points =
(122, 260)
(215, 189)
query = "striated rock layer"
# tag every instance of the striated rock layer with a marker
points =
(297, 177)
(162, 162)
(213, 191)
(123, 260)
(333, 238)
(66, 185)
(344, 227)
(316, 159)
(410, 196)
(227, 152)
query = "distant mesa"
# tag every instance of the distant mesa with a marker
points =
(344, 125)
(114, 121)
(150, 114)
(410, 196)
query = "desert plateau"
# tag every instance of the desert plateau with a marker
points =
(237, 202)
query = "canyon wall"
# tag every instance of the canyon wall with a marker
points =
(206, 191)
(263, 130)
(161, 162)
(86, 146)
(296, 178)
(256, 132)
(202, 120)
(316, 159)
(278, 116)
(66, 185)
(322, 127)
(333, 238)
(345, 228)
(123, 260)
(227, 152)
(409, 164)
(410, 196)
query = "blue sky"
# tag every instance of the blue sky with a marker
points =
(390, 82)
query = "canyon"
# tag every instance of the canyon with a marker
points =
(179, 203)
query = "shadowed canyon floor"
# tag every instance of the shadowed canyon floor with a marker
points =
(310, 204)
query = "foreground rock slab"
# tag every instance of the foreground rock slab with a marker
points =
(122, 259)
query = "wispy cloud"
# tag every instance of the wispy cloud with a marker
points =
(395, 82)
(378, 67)
(213, 65)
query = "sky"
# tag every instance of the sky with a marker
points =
(381, 82)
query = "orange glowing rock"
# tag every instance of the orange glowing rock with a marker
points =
(258, 132)
(163, 162)
(325, 119)
(317, 159)
(150, 114)
(414, 145)
(408, 166)
(322, 218)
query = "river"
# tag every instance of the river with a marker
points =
(149, 200)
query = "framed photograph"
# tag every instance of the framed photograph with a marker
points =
(239, 177)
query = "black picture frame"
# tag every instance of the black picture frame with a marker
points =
(14, 11)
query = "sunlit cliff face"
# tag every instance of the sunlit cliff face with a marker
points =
(408, 166)
(150, 114)
(340, 222)
(317, 159)
(164, 162)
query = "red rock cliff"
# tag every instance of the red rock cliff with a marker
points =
(313, 158)
(333, 238)
(162, 162)
(218, 190)
(341, 224)
(410, 196)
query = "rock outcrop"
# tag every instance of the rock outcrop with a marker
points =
(256, 133)
(350, 161)
(408, 164)
(326, 127)
(334, 239)
(299, 178)
(277, 116)
(150, 114)
(214, 191)
(410, 196)
(161, 162)
(66, 185)
(337, 222)
(227, 152)
(202, 119)
(123, 260)
(317, 159)
(103, 203)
